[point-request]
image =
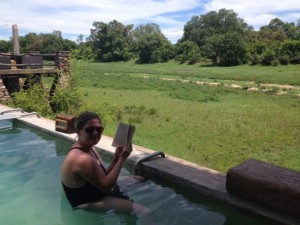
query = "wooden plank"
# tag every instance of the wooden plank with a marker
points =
(273, 186)
(29, 71)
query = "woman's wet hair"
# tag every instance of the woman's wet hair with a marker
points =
(84, 117)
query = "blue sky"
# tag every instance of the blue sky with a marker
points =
(74, 17)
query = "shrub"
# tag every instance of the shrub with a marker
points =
(188, 51)
(284, 59)
(275, 62)
(296, 59)
(268, 57)
(33, 99)
(255, 59)
(66, 101)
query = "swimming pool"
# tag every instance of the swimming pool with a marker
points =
(30, 191)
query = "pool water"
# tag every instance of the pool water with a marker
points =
(31, 193)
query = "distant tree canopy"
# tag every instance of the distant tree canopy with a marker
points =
(151, 45)
(5, 46)
(275, 43)
(43, 43)
(188, 51)
(116, 42)
(219, 36)
(110, 42)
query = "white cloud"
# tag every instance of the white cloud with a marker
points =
(77, 16)
(74, 17)
(259, 12)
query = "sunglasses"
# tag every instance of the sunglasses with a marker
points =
(90, 130)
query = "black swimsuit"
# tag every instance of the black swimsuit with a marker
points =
(86, 193)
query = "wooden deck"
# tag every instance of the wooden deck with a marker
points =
(21, 73)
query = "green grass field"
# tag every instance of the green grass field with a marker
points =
(211, 125)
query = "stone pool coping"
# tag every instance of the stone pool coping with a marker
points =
(186, 175)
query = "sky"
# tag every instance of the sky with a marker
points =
(75, 17)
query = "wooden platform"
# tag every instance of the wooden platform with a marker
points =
(21, 73)
(273, 186)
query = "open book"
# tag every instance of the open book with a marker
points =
(123, 136)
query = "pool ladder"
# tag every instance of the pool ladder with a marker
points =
(137, 164)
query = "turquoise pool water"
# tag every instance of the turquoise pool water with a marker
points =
(30, 191)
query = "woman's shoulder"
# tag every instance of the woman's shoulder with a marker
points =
(77, 155)
(76, 146)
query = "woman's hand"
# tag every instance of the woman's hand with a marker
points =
(118, 152)
(121, 153)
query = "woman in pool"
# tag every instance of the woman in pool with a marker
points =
(86, 183)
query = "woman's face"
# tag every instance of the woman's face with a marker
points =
(91, 132)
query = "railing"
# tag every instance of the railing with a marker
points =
(26, 60)
(152, 155)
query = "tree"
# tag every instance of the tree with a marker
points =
(272, 43)
(199, 28)
(272, 37)
(84, 50)
(268, 57)
(45, 43)
(51, 43)
(79, 40)
(5, 46)
(188, 51)
(68, 45)
(32, 42)
(111, 41)
(289, 51)
(151, 45)
(289, 29)
(57, 33)
(226, 49)
(210, 32)
(297, 31)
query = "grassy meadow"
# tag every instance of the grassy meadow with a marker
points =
(194, 113)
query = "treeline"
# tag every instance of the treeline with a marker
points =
(220, 38)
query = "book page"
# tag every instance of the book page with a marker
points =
(123, 136)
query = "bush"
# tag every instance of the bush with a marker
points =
(275, 62)
(188, 51)
(66, 101)
(268, 57)
(295, 59)
(255, 59)
(33, 99)
(284, 59)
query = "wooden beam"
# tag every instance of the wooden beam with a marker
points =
(26, 72)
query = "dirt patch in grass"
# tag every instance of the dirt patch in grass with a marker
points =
(282, 89)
